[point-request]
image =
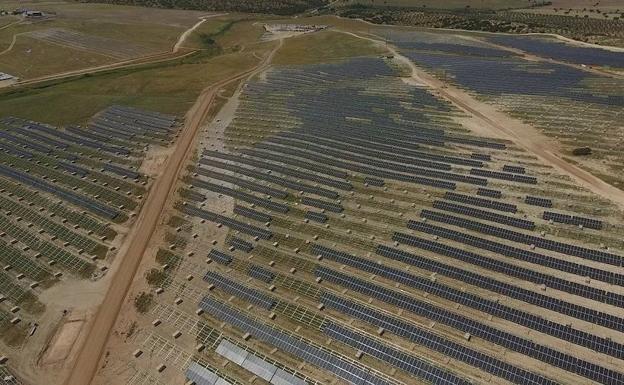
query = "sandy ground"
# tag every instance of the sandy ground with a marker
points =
(132, 252)
(498, 124)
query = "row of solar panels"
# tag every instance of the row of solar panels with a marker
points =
(483, 214)
(343, 368)
(573, 220)
(581, 270)
(254, 231)
(437, 314)
(511, 235)
(487, 306)
(504, 176)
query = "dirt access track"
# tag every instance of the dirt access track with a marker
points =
(136, 243)
(498, 124)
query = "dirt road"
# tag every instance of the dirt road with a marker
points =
(86, 364)
(496, 123)
(189, 31)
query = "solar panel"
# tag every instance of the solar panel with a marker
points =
(514, 169)
(537, 201)
(489, 193)
(475, 328)
(329, 206)
(243, 292)
(374, 181)
(261, 273)
(254, 231)
(252, 214)
(267, 204)
(343, 368)
(242, 182)
(573, 220)
(480, 202)
(432, 341)
(504, 175)
(521, 254)
(220, 257)
(316, 217)
(240, 244)
(511, 235)
(121, 171)
(483, 214)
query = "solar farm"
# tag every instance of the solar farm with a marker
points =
(67, 196)
(345, 226)
(576, 107)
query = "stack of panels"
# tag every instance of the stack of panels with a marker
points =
(521, 254)
(573, 220)
(511, 235)
(240, 244)
(481, 202)
(434, 342)
(329, 206)
(343, 368)
(536, 201)
(261, 273)
(483, 214)
(514, 169)
(475, 328)
(252, 214)
(252, 296)
(503, 175)
(517, 272)
(254, 231)
(220, 257)
(316, 217)
(489, 193)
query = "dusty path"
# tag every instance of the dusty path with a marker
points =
(10, 47)
(86, 364)
(496, 123)
(189, 31)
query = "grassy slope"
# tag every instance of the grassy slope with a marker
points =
(171, 87)
(323, 47)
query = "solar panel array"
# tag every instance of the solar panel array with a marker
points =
(220, 257)
(232, 287)
(475, 328)
(261, 273)
(504, 176)
(489, 193)
(573, 220)
(511, 235)
(514, 169)
(481, 202)
(521, 254)
(252, 214)
(231, 223)
(431, 341)
(256, 187)
(483, 214)
(537, 201)
(241, 244)
(316, 217)
(341, 367)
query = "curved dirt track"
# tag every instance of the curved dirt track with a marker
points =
(86, 364)
(499, 124)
